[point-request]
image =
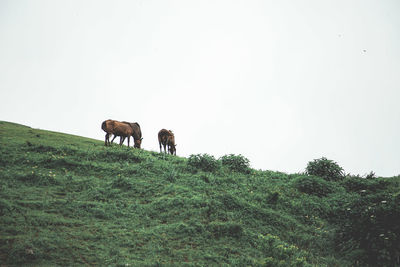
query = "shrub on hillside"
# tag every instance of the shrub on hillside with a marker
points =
(358, 184)
(325, 168)
(369, 225)
(203, 162)
(236, 163)
(313, 185)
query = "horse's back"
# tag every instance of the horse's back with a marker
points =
(135, 128)
(122, 129)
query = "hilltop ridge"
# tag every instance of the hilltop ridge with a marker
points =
(68, 200)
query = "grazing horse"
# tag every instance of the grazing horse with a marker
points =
(137, 134)
(171, 145)
(167, 138)
(116, 128)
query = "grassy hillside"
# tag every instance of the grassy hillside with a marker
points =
(69, 201)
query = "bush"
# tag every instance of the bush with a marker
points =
(236, 163)
(370, 225)
(313, 185)
(203, 162)
(358, 184)
(325, 168)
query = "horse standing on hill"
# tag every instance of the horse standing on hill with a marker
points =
(116, 128)
(137, 134)
(167, 138)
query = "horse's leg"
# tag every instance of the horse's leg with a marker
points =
(159, 143)
(105, 140)
(113, 139)
(121, 141)
(129, 139)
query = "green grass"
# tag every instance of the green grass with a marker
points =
(68, 201)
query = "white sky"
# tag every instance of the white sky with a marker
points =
(281, 82)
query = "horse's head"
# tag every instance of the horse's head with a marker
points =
(138, 142)
(172, 149)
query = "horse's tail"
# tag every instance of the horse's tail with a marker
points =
(104, 125)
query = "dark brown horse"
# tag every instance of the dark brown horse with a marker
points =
(137, 133)
(116, 128)
(167, 138)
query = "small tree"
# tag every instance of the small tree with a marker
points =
(325, 168)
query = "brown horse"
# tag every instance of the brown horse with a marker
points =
(116, 128)
(137, 134)
(167, 138)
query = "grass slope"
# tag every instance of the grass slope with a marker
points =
(67, 201)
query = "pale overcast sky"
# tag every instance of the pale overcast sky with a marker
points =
(280, 82)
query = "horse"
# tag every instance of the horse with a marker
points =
(116, 128)
(167, 138)
(137, 134)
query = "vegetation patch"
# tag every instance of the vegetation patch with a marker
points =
(313, 185)
(362, 185)
(225, 229)
(236, 163)
(203, 162)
